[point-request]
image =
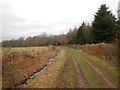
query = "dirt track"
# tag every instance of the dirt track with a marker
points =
(99, 72)
(80, 77)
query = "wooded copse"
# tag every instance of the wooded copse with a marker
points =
(104, 28)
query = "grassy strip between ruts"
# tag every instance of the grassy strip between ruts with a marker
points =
(94, 81)
(59, 74)
(106, 68)
(68, 76)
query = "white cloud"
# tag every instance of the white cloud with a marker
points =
(32, 17)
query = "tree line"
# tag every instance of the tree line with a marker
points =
(104, 28)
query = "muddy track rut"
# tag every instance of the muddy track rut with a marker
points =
(80, 77)
(98, 72)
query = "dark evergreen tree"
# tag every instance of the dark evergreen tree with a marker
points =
(118, 29)
(90, 36)
(103, 25)
(79, 36)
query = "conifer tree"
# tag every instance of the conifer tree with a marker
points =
(103, 25)
(79, 36)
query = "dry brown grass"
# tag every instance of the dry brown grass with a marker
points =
(108, 52)
(20, 64)
(59, 74)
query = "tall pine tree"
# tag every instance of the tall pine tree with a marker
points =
(103, 25)
(79, 36)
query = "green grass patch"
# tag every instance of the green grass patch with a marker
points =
(104, 66)
(69, 73)
(93, 80)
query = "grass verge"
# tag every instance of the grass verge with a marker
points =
(93, 80)
(106, 68)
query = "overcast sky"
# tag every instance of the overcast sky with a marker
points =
(23, 18)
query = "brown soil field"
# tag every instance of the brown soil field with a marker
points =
(19, 64)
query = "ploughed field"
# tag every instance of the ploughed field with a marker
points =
(20, 63)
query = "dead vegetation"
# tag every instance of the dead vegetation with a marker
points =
(20, 64)
(108, 52)
(61, 73)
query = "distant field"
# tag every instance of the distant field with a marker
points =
(22, 48)
(20, 62)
